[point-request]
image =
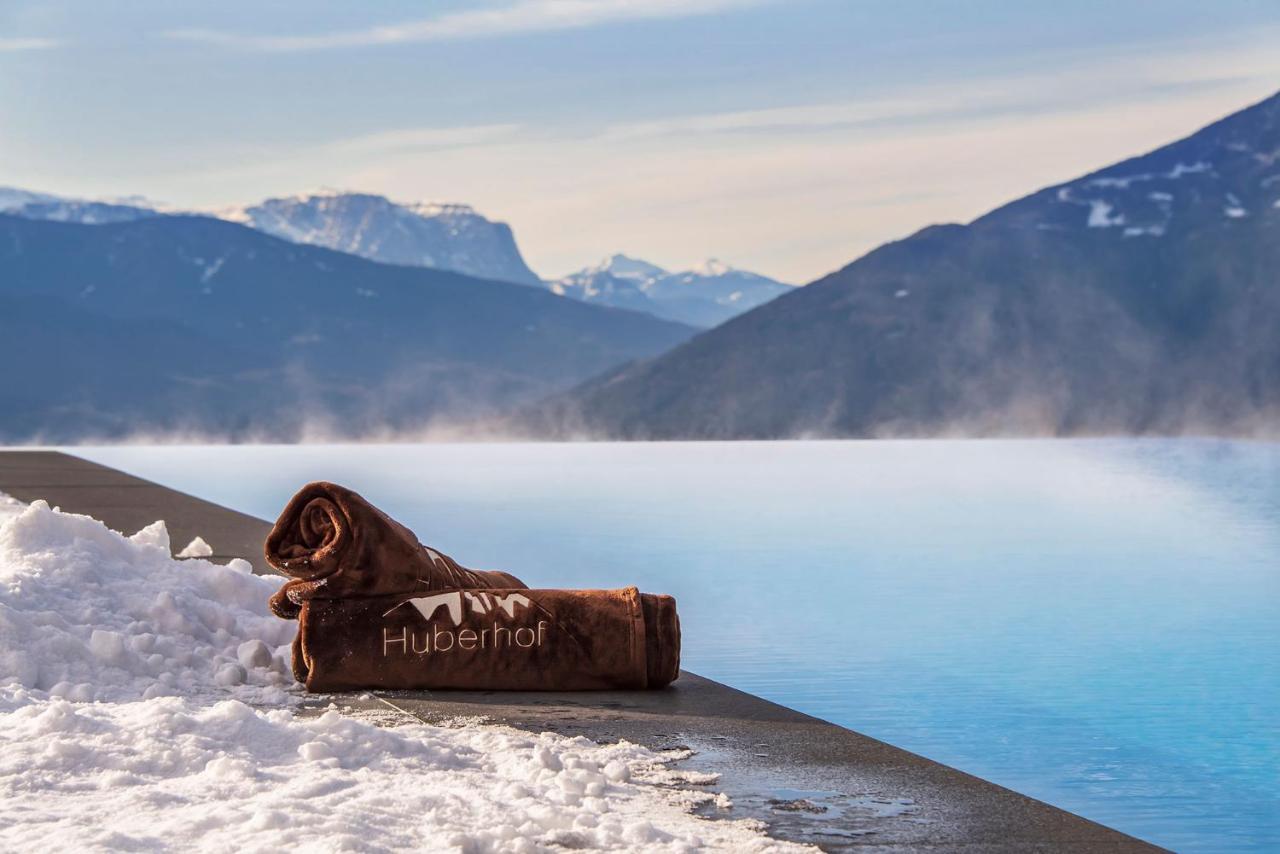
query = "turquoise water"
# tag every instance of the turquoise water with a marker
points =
(1094, 623)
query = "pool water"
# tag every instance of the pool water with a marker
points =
(1094, 623)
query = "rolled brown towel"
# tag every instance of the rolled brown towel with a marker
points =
(507, 640)
(330, 540)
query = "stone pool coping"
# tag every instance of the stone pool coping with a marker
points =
(810, 780)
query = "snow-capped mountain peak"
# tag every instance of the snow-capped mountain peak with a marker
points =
(445, 236)
(47, 206)
(707, 295)
(712, 267)
(11, 198)
(625, 267)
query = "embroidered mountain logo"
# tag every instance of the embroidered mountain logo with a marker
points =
(458, 604)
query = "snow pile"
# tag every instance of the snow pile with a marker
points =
(9, 507)
(172, 773)
(196, 548)
(89, 614)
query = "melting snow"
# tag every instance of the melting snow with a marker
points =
(145, 703)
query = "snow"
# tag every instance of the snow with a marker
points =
(196, 548)
(9, 507)
(1144, 231)
(624, 267)
(446, 210)
(1175, 173)
(225, 776)
(145, 703)
(1100, 215)
(1183, 169)
(86, 608)
(712, 267)
(322, 198)
(11, 198)
(211, 270)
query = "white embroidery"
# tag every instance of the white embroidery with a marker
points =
(481, 603)
(509, 602)
(428, 605)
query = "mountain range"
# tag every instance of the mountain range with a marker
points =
(442, 237)
(1140, 298)
(705, 296)
(180, 323)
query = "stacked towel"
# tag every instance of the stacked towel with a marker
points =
(377, 609)
(334, 544)
(504, 640)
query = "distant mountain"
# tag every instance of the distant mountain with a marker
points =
(1142, 298)
(31, 205)
(706, 296)
(417, 234)
(191, 323)
(443, 237)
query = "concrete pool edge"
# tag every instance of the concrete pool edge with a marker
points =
(810, 780)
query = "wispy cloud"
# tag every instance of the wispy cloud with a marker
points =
(408, 139)
(975, 100)
(525, 16)
(11, 45)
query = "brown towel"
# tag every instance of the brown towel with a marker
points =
(515, 640)
(335, 544)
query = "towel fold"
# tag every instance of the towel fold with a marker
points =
(334, 543)
(487, 639)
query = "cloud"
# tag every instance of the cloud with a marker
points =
(8, 45)
(524, 16)
(409, 139)
(1084, 87)
(792, 189)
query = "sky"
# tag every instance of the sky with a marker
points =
(785, 137)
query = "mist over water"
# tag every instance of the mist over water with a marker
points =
(1092, 622)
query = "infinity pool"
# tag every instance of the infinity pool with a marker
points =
(1093, 623)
